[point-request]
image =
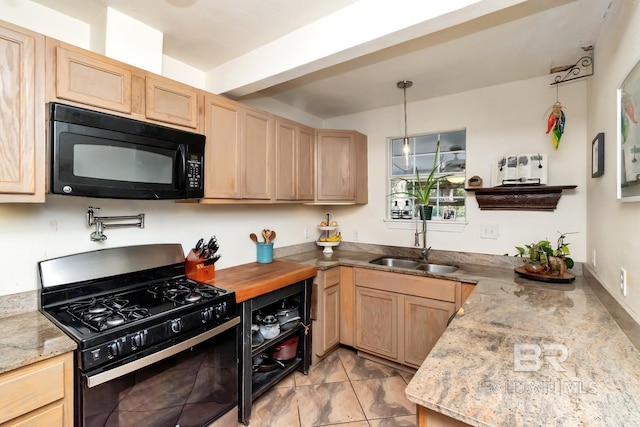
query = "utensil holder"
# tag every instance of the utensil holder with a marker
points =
(195, 269)
(264, 252)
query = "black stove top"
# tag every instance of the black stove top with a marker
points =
(118, 315)
(121, 308)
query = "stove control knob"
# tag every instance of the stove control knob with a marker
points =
(115, 349)
(176, 326)
(139, 339)
(221, 309)
(207, 315)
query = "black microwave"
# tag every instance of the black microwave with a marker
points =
(95, 154)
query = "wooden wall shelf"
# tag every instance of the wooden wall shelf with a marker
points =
(530, 197)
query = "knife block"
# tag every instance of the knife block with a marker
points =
(195, 269)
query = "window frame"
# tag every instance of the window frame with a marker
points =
(450, 155)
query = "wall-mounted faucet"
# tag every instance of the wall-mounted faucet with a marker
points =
(99, 221)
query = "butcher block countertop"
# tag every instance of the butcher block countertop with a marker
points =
(254, 279)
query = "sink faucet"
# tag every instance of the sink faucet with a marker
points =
(424, 255)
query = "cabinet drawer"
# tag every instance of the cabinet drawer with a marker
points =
(31, 387)
(331, 278)
(50, 416)
(426, 287)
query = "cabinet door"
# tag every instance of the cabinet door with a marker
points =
(257, 155)
(424, 321)
(222, 149)
(285, 160)
(347, 305)
(341, 166)
(294, 161)
(336, 160)
(377, 322)
(171, 102)
(305, 161)
(22, 117)
(92, 79)
(331, 312)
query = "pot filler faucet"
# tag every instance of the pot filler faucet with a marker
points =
(424, 255)
(100, 223)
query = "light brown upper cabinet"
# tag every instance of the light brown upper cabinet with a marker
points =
(88, 79)
(239, 151)
(171, 102)
(22, 120)
(295, 168)
(341, 167)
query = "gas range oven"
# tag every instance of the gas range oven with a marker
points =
(154, 347)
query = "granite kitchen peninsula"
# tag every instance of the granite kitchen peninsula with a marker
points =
(521, 353)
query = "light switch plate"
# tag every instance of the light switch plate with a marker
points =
(489, 231)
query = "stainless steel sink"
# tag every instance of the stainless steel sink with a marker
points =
(396, 262)
(414, 265)
(437, 268)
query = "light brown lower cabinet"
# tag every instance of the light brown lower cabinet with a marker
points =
(401, 317)
(326, 317)
(428, 418)
(38, 394)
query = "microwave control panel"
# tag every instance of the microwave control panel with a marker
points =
(194, 171)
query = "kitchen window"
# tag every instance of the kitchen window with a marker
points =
(448, 197)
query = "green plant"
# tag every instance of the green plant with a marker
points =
(541, 251)
(420, 188)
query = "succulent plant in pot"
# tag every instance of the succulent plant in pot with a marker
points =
(420, 188)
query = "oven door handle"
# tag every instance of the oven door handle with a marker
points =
(103, 377)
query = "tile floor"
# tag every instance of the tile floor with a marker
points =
(342, 390)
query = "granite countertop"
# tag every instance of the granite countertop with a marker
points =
(29, 338)
(522, 352)
(530, 353)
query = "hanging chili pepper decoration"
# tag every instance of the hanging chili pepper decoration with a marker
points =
(555, 124)
(628, 114)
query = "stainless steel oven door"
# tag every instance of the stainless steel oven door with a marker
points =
(189, 384)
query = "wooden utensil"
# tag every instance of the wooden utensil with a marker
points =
(265, 235)
(253, 237)
(272, 236)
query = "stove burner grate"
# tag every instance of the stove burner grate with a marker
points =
(181, 291)
(100, 314)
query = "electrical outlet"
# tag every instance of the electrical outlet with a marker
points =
(306, 233)
(593, 257)
(489, 231)
(623, 282)
(356, 236)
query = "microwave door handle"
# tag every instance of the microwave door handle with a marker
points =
(182, 167)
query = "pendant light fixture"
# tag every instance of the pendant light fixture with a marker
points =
(406, 147)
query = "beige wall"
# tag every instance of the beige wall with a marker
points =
(509, 118)
(614, 227)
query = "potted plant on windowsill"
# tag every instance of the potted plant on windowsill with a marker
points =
(420, 187)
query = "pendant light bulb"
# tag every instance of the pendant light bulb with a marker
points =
(406, 147)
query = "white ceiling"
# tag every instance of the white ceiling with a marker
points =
(476, 43)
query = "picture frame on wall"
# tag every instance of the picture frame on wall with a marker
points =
(597, 156)
(628, 144)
